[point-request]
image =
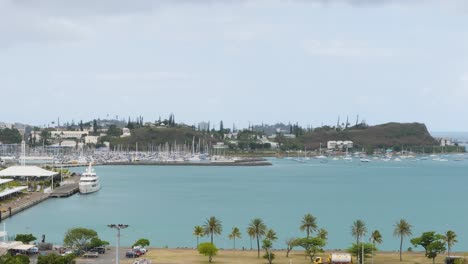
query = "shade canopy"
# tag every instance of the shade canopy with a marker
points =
(26, 171)
(12, 191)
(23, 247)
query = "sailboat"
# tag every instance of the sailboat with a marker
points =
(320, 156)
(348, 158)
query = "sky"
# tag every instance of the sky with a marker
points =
(240, 61)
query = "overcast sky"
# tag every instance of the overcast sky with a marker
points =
(236, 60)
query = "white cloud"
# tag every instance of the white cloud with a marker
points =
(344, 49)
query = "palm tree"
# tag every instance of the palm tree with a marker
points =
(271, 235)
(323, 234)
(358, 230)
(402, 229)
(212, 227)
(198, 232)
(450, 238)
(235, 233)
(308, 224)
(251, 233)
(258, 228)
(376, 238)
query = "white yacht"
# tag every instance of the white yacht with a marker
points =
(89, 181)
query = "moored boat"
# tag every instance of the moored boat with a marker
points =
(89, 181)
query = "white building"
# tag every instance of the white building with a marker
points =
(91, 139)
(69, 134)
(339, 144)
(446, 142)
(125, 132)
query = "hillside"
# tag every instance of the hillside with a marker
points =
(380, 136)
(147, 137)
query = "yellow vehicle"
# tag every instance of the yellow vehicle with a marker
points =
(335, 258)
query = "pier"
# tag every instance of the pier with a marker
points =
(64, 191)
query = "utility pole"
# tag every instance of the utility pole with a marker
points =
(118, 227)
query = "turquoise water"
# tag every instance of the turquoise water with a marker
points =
(164, 203)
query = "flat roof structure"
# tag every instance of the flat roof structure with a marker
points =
(12, 191)
(26, 171)
(3, 181)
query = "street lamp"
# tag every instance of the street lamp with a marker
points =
(371, 239)
(118, 227)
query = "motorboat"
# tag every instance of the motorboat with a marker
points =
(89, 181)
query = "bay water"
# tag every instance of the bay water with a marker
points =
(164, 203)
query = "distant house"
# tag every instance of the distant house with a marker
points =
(69, 134)
(446, 142)
(125, 132)
(339, 145)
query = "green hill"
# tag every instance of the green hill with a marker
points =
(395, 135)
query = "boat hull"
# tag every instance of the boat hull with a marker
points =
(85, 189)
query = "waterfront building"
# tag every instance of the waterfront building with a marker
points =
(333, 145)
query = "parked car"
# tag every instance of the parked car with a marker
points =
(33, 250)
(131, 254)
(100, 250)
(138, 252)
(91, 255)
(68, 252)
(140, 248)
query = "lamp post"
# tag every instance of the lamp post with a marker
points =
(371, 239)
(118, 227)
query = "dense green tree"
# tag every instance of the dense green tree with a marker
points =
(356, 250)
(450, 238)
(198, 231)
(312, 246)
(10, 136)
(258, 228)
(235, 233)
(432, 243)
(97, 242)
(25, 238)
(402, 229)
(208, 249)
(308, 224)
(56, 259)
(143, 242)
(9, 259)
(114, 131)
(79, 237)
(212, 227)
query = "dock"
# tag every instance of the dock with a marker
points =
(64, 190)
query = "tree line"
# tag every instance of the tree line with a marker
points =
(315, 239)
